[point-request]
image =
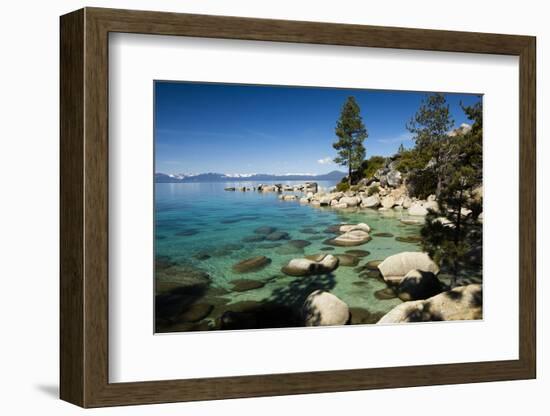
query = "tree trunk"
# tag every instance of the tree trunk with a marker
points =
(457, 238)
(439, 174)
(349, 167)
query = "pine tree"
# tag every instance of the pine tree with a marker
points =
(351, 133)
(401, 149)
(430, 126)
(453, 234)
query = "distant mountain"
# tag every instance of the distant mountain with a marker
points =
(335, 175)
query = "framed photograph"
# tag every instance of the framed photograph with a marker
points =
(255, 207)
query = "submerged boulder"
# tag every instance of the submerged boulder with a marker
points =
(319, 264)
(277, 235)
(299, 243)
(394, 268)
(265, 230)
(358, 253)
(352, 227)
(242, 285)
(347, 260)
(251, 265)
(323, 308)
(350, 238)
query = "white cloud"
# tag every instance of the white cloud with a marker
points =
(325, 161)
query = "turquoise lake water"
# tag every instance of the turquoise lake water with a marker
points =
(202, 227)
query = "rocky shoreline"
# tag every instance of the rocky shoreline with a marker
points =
(410, 276)
(387, 190)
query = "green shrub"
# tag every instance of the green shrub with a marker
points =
(342, 187)
(373, 190)
(410, 160)
(371, 165)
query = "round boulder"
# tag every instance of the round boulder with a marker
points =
(323, 308)
(350, 201)
(320, 264)
(372, 201)
(350, 238)
(394, 268)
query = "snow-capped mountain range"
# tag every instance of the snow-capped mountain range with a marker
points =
(236, 177)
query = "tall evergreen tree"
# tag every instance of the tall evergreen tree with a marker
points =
(453, 234)
(430, 126)
(351, 133)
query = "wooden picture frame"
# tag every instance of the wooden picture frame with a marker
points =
(84, 207)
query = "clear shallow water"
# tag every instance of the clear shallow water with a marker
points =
(198, 219)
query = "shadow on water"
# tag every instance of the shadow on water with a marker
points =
(174, 303)
(282, 309)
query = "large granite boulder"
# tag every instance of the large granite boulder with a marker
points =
(350, 201)
(395, 268)
(323, 308)
(420, 208)
(458, 304)
(417, 209)
(388, 201)
(372, 201)
(393, 178)
(418, 285)
(320, 264)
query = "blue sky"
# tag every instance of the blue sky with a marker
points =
(229, 128)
